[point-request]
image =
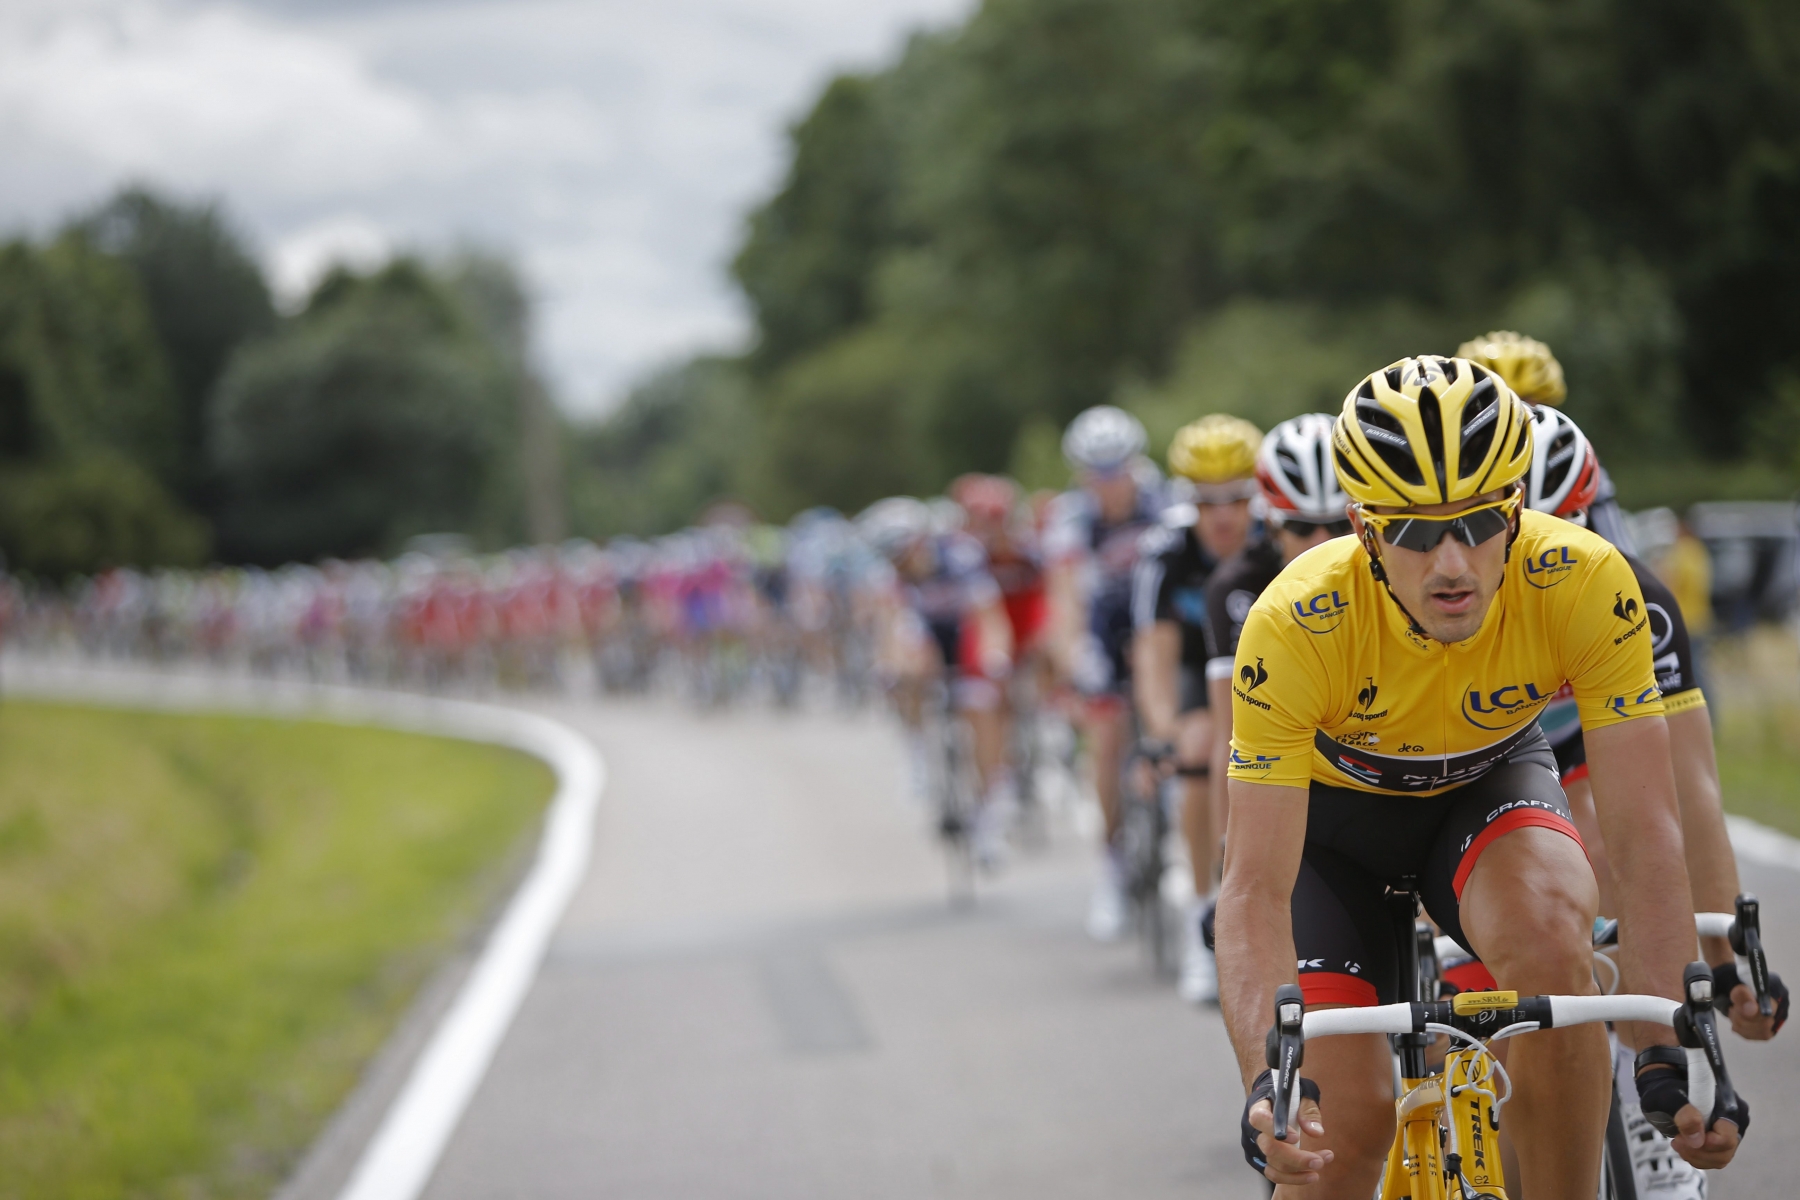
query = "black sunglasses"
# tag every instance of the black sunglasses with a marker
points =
(1422, 534)
(1305, 529)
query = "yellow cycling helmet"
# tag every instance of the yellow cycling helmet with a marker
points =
(1526, 364)
(1215, 449)
(1430, 430)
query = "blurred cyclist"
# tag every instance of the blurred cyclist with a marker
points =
(942, 620)
(1090, 548)
(1217, 455)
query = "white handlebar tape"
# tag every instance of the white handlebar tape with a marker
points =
(1574, 1010)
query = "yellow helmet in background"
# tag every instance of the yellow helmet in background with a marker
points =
(1430, 430)
(1215, 449)
(1526, 365)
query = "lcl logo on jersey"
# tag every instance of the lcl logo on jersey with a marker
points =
(1621, 704)
(1550, 568)
(1504, 707)
(1320, 614)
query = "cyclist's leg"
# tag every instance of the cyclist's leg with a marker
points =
(1509, 879)
(1344, 943)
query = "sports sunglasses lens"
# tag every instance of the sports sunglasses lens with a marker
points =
(1424, 533)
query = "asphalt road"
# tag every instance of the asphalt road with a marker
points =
(760, 991)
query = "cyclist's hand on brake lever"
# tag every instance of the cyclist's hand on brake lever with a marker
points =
(1283, 1162)
(1708, 1151)
(1746, 1016)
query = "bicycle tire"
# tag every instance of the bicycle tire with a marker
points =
(1617, 1181)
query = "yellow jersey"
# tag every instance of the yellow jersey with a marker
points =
(1332, 683)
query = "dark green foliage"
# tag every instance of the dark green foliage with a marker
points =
(681, 441)
(1187, 205)
(381, 412)
(205, 296)
(98, 511)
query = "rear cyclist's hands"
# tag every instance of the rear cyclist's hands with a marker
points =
(1738, 1001)
(1662, 1089)
(1283, 1162)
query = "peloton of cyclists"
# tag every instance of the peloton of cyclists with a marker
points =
(1216, 455)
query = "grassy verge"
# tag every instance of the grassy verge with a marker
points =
(1755, 697)
(208, 925)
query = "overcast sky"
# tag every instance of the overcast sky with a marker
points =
(611, 146)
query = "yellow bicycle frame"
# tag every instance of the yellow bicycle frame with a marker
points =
(1427, 1124)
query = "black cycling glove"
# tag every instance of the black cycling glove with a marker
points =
(1726, 977)
(1662, 1080)
(1264, 1089)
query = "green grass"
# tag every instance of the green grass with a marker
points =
(1754, 694)
(208, 925)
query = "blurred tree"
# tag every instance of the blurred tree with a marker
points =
(102, 510)
(86, 417)
(682, 440)
(205, 294)
(382, 411)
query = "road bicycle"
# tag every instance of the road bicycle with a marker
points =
(1446, 1136)
(953, 790)
(1142, 844)
(1742, 928)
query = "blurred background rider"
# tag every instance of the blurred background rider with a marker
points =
(1091, 545)
(1217, 456)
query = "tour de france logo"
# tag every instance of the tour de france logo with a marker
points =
(1321, 613)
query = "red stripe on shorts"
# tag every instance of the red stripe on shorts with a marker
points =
(1518, 818)
(1335, 987)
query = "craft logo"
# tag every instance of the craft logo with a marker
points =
(1251, 678)
(1550, 568)
(1626, 609)
(1503, 707)
(1365, 700)
(1321, 614)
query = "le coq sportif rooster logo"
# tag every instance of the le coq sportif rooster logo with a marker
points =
(1365, 697)
(1625, 607)
(1253, 677)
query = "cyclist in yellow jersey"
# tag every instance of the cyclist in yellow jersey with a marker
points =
(1384, 736)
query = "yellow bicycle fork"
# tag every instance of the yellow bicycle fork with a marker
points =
(1429, 1128)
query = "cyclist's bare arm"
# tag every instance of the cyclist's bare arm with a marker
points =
(1634, 798)
(1218, 696)
(994, 634)
(1254, 937)
(1068, 614)
(1155, 661)
(1712, 865)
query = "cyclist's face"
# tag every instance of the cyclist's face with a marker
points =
(1450, 587)
(1222, 528)
(1116, 494)
(1292, 545)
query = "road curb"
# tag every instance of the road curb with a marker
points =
(398, 1161)
(1758, 843)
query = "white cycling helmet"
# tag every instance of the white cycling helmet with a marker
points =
(890, 526)
(1295, 470)
(1565, 472)
(1103, 438)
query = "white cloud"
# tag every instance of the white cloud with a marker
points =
(298, 261)
(612, 145)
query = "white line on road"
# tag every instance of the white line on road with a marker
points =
(1758, 843)
(399, 1159)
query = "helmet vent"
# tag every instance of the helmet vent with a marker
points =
(1344, 466)
(1431, 416)
(1394, 377)
(1388, 439)
(1480, 420)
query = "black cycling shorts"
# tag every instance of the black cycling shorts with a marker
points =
(1358, 844)
(1571, 758)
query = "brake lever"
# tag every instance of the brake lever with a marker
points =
(1697, 1030)
(1285, 1049)
(1746, 943)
